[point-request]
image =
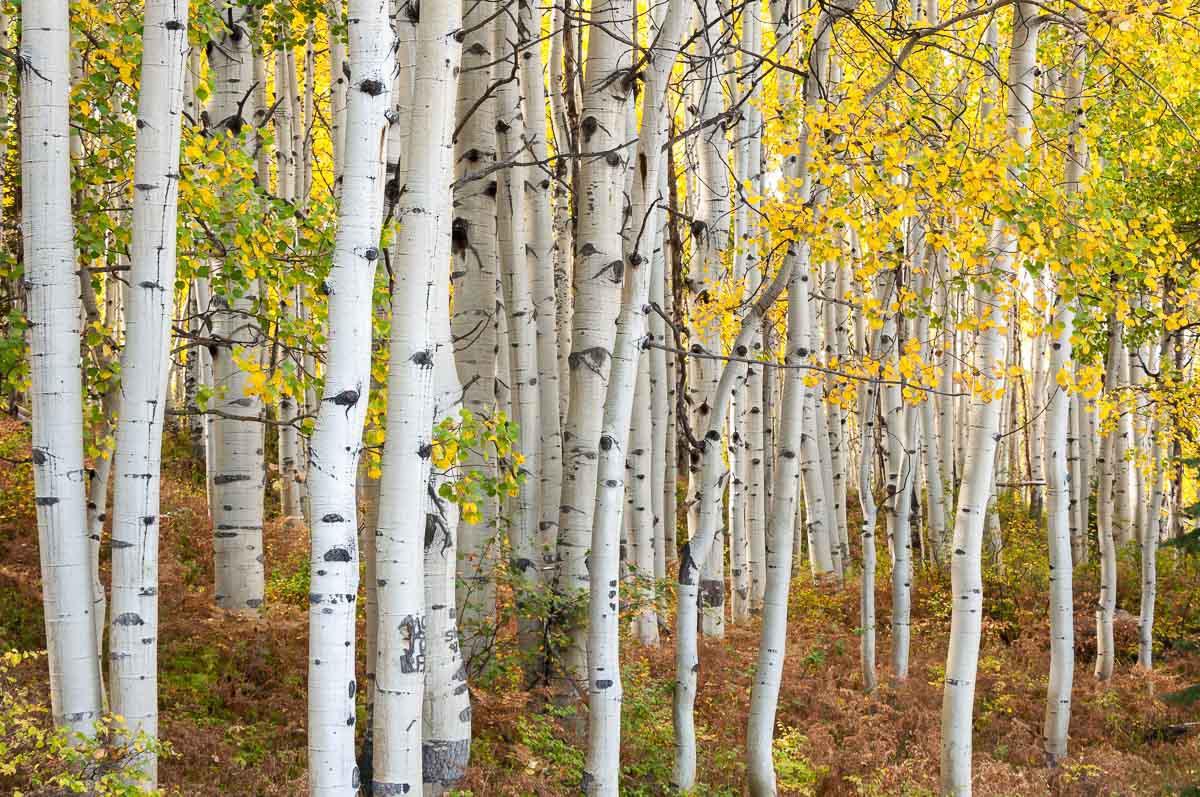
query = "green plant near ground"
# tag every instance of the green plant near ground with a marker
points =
(548, 750)
(794, 772)
(647, 757)
(289, 582)
(37, 757)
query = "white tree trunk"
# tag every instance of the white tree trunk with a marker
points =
(236, 499)
(1060, 509)
(540, 247)
(1105, 510)
(687, 661)
(337, 438)
(474, 321)
(421, 266)
(604, 677)
(962, 657)
(764, 696)
(52, 292)
(599, 271)
(145, 365)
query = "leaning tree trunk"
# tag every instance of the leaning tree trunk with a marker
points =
(337, 438)
(764, 697)
(599, 269)
(604, 683)
(421, 265)
(145, 364)
(52, 292)
(962, 658)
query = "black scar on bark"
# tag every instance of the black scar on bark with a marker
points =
(129, 619)
(687, 565)
(371, 87)
(333, 517)
(229, 478)
(337, 554)
(347, 399)
(48, 500)
(589, 126)
(38, 456)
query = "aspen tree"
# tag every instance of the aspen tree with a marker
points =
(145, 361)
(238, 470)
(1106, 605)
(1057, 455)
(598, 274)
(421, 264)
(962, 658)
(539, 246)
(337, 439)
(52, 293)
(1153, 527)
(475, 276)
(696, 550)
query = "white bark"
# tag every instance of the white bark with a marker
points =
(764, 697)
(145, 365)
(687, 661)
(337, 438)
(962, 657)
(236, 499)
(421, 265)
(1060, 509)
(540, 248)
(446, 715)
(599, 271)
(604, 677)
(475, 277)
(52, 292)
(1105, 508)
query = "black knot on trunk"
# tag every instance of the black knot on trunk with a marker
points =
(371, 87)
(588, 126)
(458, 234)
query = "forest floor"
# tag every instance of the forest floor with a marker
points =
(232, 690)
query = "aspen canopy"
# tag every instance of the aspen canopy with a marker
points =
(482, 397)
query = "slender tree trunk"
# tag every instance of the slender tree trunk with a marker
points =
(421, 264)
(764, 697)
(687, 661)
(1057, 460)
(1105, 510)
(962, 657)
(236, 499)
(52, 294)
(599, 271)
(145, 367)
(475, 276)
(337, 439)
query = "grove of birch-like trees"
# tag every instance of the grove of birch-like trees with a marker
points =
(608, 320)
